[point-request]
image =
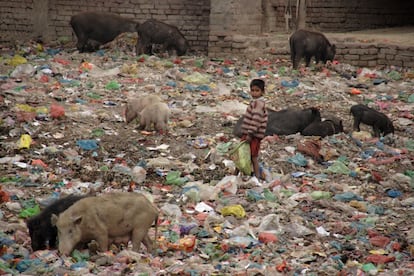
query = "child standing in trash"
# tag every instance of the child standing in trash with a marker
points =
(254, 123)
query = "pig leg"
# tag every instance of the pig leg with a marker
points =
(308, 59)
(143, 123)
(148, 244)
(140, 47)
(82, 40)
(144, 46)
(292, 58)
(296, 61)
(138, 235)
(376, 131)
(357, 121)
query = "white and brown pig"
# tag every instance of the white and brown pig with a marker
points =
(135, 106)
(156, 114)
(105, 219)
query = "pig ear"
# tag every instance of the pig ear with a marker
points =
(53, 219)
(77, 220)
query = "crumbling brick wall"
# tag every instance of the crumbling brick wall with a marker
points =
(27, 19)
(371, 55)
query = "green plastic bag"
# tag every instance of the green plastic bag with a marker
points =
(173, 177)
(240, 155)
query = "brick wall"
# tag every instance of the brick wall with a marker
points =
(350, 51)
(15, 19)
(371, 55)
(50, 18)
(343, 15)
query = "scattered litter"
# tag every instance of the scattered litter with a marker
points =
(341, 208)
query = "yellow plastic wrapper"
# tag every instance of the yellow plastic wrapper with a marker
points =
(233, 210)
(17, 60)
(197, 78)
(25, 141)
(130, 69)
(242, 158)
(25, 107)
(378, 252)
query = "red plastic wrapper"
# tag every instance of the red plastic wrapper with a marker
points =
(38, 163)
(380, 241)
(396, 246)
(23, 116)
(56, 111)
(372, 233)
(380, 259)
(4, 196)
(266, 237)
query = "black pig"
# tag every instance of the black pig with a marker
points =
(310, 44)
(286, 121)
(380, 123)
(324, 128)
(156, 32)
(40, 227)
(93, 29)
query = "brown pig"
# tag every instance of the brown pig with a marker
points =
(157, 114)
(105, 219)
(135, 106)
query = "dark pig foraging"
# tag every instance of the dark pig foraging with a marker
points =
(42, 233)
(379, 122)
(107, 218)
(310, 44)
(286, 121)
(156, 32)
(93, 29)
(324, 128)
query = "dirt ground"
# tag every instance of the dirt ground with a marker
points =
(337, 216)
(396, 36)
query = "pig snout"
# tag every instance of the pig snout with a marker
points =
(65, 247)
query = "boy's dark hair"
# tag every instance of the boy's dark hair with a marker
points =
(259, 83)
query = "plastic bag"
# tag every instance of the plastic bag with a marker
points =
(242, 158)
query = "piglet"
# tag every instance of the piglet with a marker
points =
(323, 128)
(380, 123)
(135, 106)
(155, 114)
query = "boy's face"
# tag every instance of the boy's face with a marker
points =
(256, 92)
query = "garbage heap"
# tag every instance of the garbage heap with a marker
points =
(333, 206)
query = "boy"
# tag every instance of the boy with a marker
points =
(255, 121)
